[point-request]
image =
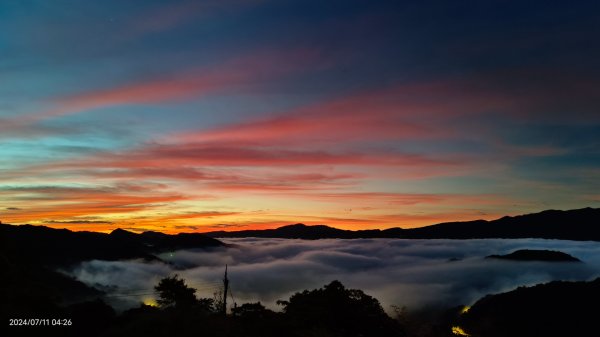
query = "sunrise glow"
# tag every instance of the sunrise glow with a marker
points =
(169, 116)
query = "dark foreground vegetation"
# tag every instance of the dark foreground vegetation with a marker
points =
(552, 310)
(332, 310)
(555, 309)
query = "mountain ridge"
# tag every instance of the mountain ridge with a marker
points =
(49, 246)
(577, 224)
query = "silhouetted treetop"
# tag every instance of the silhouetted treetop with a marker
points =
(340, 312)
(252, 311)
(173, 292)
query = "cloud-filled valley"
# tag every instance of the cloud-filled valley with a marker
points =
(411, 273)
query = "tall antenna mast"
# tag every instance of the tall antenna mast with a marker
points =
(225, 288)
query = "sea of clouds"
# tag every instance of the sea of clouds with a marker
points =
(411, 273)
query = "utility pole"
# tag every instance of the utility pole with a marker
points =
(225, 288)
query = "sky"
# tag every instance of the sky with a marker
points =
(183, 116)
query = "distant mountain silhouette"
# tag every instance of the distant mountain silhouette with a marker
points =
(59, 247)
(536, 255)
(299, 231)
(578, 224)
(30, 286)
(553, 309)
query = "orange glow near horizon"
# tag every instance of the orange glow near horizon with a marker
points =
(232, 221)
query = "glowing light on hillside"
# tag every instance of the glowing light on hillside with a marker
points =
(150, 301)
(459, 331)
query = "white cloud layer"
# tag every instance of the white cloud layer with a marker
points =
(412, 273)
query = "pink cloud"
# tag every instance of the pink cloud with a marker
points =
(411, 199)
(237, 74)
(161, 156)
(222, 180)
(413, 112)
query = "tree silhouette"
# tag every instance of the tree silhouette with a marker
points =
(174, 292)
(337, 311)
(251, 311)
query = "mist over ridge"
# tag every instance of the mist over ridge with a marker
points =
(412, 273)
